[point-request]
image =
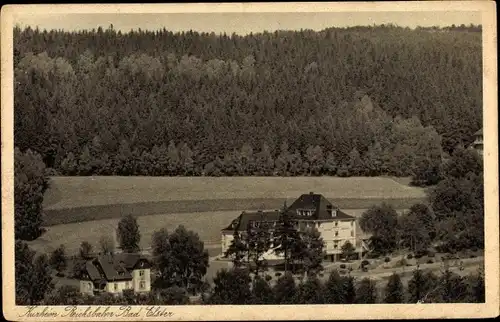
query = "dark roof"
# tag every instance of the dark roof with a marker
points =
(480, 132)
(241, 223)
(93, 272)
(315, 202)
(319, 205)
(129, 260)
(113, 267)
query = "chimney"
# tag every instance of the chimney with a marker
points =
(311, 193)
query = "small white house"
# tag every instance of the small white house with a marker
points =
(116, 273)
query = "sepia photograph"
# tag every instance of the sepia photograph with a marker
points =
(219, 161)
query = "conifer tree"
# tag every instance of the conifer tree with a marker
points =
(394, 291)
(237, 250)
(335, 292)
(366, 292)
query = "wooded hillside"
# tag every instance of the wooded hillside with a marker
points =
(356, 101)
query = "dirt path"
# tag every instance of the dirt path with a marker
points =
(469, 264)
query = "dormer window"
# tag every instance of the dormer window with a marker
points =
(332, 211)
(305, 212)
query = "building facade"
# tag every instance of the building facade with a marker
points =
(116, 273)
(308, 211)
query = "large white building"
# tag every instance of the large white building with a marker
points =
(309, 210)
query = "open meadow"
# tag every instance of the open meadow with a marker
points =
(207, 224)
(78, 199)
(85, 208)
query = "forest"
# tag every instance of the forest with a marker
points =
(355, 101)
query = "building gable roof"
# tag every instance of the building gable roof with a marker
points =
(319, 205)
(93, 271)
(315, 202)
(243, 220)
(114, 267)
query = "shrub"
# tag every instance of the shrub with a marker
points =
(373, 255)
(410, 256)
(431, 254)
(365, 262)
(268, 278)
(472, 256)
(430, 261)
(420, 253)
(387, 259)
(320, 275)
(342, 265)
(342, 271)
(278, 274)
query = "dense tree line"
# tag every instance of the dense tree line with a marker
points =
(356, 101)
(30, 183)
(452, 221)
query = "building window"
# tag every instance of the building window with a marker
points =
(352, 233)
(142, 285)
(141, 272)
(336, 223)
(336, 233)
(116, 286)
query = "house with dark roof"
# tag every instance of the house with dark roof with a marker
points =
(116, 273)
(308, 211)
(478, 141)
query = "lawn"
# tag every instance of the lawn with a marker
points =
(78, 199)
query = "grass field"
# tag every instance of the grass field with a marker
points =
(206, 224)
(78, 199)
(85, 208)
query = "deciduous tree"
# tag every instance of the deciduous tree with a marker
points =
(285, 289)
(58, 259)
(381, 221)
(128, 234)
(231, 287)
